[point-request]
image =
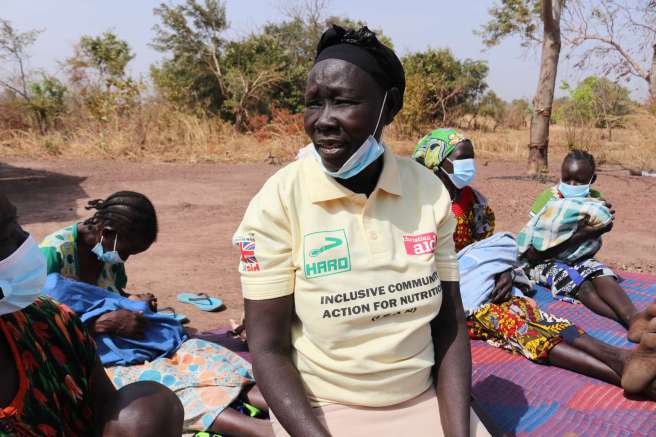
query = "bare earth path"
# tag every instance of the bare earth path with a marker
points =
(200, 205)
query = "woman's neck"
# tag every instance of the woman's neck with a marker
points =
(365, 182)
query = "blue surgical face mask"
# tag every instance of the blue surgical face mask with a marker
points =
(367, 153)
(569, 191)
(464, 171)
(22, 276)
(109, 257)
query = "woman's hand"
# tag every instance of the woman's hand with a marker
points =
(503, 287)
(149, 298)
(123, 323)
(586, 232)
(609, 205)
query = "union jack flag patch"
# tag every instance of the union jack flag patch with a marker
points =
(248, 260)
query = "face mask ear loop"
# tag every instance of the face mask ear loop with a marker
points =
(442, 168)
(115, 241)
(380, 115)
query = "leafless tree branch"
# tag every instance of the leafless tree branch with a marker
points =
(619, 39)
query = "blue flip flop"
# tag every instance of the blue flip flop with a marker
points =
(201, 300)
(177, 316)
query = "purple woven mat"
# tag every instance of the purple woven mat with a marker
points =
(527, 399)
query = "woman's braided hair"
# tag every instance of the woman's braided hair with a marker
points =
(128, 212)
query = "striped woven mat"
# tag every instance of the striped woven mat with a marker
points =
(527, 399)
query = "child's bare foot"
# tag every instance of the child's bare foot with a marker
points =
(640, 369)
(639, 322)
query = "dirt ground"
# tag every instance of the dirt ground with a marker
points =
(200, 206)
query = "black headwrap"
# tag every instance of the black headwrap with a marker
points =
(362, 48)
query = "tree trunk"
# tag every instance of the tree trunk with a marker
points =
(652, 77)
(240, 121)
(543, 100)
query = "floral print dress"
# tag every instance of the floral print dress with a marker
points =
(54, 358)
(475, 219)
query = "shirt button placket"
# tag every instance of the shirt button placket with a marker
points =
(376, 243)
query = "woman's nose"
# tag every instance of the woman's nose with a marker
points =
(326, 120)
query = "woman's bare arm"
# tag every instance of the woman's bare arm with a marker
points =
(268, 324)
(452, 362)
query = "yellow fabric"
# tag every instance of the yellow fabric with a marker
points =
(363, 302)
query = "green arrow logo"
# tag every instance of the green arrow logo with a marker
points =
(331, 244)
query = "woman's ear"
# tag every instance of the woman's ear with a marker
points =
(394, 104)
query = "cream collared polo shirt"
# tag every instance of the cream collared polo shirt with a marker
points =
(365, 274)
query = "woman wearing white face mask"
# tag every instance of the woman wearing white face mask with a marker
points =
(451, 157)
(71, 395)
(95, 250)
(585, 280)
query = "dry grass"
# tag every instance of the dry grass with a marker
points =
(160, 133)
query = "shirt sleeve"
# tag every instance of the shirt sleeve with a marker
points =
(484, 222)
(445, 250)
(491, 221)
(542, 200)
(54, 259)
(265, 242)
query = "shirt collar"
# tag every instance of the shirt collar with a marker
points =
(324, 187)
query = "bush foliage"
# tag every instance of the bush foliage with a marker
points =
(254, 83)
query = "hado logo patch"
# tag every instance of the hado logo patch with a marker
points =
(421, 244)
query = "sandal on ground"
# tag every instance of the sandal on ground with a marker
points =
(201, 300)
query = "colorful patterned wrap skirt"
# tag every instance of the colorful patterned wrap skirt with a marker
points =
(205, 376)
(519, 325)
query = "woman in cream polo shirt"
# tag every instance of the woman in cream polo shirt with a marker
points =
(349, 273)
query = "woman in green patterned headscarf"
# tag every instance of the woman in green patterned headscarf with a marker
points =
(445, 149)
(433, 149)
